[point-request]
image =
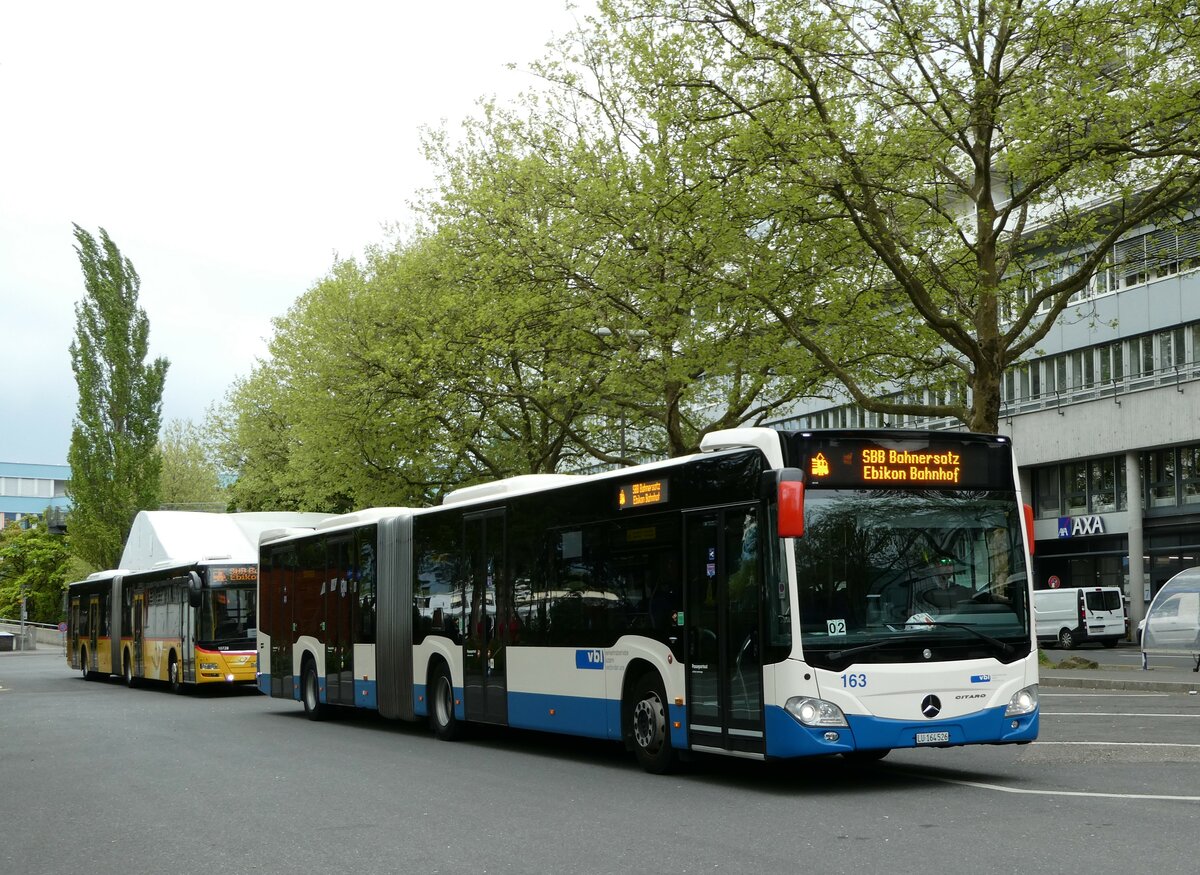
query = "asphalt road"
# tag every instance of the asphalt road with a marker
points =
(98, 778)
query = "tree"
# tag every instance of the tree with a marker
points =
(962, 170)
(113, 453)
(189, 479)
(35, 562)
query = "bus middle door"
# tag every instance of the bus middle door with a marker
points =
(487, 598)
(139, 633)
(93, 609)
(340, 601)
(723, 581)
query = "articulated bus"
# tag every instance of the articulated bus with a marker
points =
(777, 595)
(166, 614)
(189, 624)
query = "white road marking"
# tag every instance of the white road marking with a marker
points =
(1113, 695)
(1025, 791)
(1125, 743)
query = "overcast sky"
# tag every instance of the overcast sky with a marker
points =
(231, 150)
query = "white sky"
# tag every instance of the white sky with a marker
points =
(231, 150)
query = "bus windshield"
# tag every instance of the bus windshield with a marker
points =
(226, 617)
(911, 576)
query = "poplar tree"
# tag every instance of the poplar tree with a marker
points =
(113, 456)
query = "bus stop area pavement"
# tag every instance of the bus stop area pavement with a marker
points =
(1161, 678)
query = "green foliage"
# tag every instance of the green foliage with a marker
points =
(710, 209)
(38, 562)
(189, 478)
(113, 452)
(960, 169)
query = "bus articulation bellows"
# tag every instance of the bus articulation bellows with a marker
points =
(779, 594)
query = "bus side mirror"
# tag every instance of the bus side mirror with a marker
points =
(194, 585)
(1028, 508)
(790, 509)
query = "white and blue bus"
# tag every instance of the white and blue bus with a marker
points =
(778, 594)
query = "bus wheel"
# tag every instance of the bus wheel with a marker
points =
(130, 681)
(866, 756)
(87, 675)
(442, 719)
(173, 677)
(1066, 640)
(310, 693)
(649, 726)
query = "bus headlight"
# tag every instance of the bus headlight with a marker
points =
(1023, 702)
(815, 712)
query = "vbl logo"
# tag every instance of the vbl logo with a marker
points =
(589, 659)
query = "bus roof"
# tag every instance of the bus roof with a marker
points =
(169, 538)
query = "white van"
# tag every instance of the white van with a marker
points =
(1077, 614)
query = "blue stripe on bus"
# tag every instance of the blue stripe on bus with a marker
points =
(581, 715)
(574, 715)
(787, 738)
(365, 695)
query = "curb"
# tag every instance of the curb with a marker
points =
(1111, 684)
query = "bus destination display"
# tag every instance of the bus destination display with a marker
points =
(231, 573)
(642, 494)
(855, 464)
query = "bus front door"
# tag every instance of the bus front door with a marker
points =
(724, 672)
(275, 605)
(490, 605)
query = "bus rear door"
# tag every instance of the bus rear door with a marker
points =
(724, 673)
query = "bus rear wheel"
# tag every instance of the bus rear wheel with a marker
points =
(649, 726)
(442, 719)
(83, 664)
(127, 673)
(310, 693)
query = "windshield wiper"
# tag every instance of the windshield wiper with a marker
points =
(1004, 646)
(862, 648)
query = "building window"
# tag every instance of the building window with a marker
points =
(1189, 473)
(1075, 482)
(1103, 485)
(1170, 349)
(1130, 262)
(1112, 366)
(1162, 478)
(1045, 486)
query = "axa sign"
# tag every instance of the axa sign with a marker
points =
(1074, 526)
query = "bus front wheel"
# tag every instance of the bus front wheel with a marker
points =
(173, 677)
(442, 718)
(649, 726)
(130, 680)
